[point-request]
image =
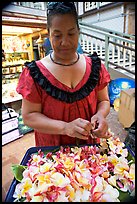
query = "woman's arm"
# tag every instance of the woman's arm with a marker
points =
(103, 106)
(99, 121)
(32, 117)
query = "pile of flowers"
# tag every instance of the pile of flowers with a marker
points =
(78, 174)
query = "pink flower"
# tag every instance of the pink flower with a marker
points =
(78, 174)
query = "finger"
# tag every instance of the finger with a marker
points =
(99, 133)
(93, 124)
(93, 136)
(108, 134)
(81, 131)
(85, 125)
(78, 135)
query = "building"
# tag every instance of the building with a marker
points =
(107, 28)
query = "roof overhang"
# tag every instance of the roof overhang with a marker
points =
(16, 19)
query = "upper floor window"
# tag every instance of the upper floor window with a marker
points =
(35, 5)
(94, 5)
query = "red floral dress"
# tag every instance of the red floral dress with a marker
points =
(60, 102)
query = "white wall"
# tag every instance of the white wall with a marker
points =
(110, 19)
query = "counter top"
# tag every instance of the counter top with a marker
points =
(11, 99)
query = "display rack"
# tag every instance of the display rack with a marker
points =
(11, 70)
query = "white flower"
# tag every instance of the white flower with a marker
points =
(62, 197)
(59, 180)
(96, 177)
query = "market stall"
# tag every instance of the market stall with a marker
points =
(16, 54)
(18, 45)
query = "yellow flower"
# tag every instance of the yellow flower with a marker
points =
(45, 167)
(120, 168)
(131, 173)
(69, 163)
(103, 159)
(27, 184)
(44, 178)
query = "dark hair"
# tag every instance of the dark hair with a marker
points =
(54, 8)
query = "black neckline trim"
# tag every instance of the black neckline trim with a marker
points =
(59, 94)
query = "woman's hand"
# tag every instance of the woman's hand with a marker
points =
(100, 127)
(78, 128)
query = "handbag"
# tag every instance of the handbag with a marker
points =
(10, 130)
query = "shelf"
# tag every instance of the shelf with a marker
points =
(11, 99)
(14, 65)
(15, 69)
(16, 52)
(17, 73)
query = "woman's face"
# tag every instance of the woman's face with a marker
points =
(64, 35)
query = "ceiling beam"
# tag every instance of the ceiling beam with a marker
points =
(24, 24)
(19, 15)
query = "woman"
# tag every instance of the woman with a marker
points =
(65, 96)
(48, 48)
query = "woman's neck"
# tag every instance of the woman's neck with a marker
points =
(67, 62)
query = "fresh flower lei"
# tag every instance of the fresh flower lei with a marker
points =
(101, 173)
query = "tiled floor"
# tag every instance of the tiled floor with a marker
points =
(13, 152)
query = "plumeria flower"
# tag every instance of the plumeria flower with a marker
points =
(131, 174)
(113, 158)
(38, 199)
(69, 163)
(110, 194)
(62, 197)
(44, 178)
(112, 180)
(103, 144)
(59, 180)
(36, 159)
(31, 172)
(123, 152)
(104, 192)
(112, 146)
(119, 182)
(81, 195)
(46, 167)
(121, 168)
(78, 174)
(117, 142)
(26, 185)
(76, 150)
(103, 159)
(17, 194)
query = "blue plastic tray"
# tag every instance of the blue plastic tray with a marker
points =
(27, 156)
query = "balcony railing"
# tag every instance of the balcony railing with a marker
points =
(116, 51)
(35, 5)
(94, 5)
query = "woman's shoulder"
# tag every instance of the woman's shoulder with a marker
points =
(36, 66)
(45, 61)
(90, 58)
